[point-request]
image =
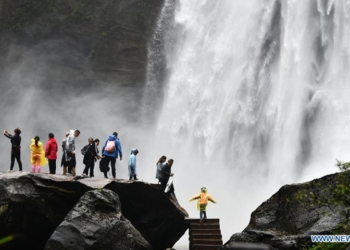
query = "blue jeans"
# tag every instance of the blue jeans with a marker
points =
(202, 213)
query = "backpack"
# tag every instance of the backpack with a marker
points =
(103, 166)
(84, 149)
(110, 146)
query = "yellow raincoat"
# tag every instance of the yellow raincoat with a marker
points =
(203, 199)
(37, 152)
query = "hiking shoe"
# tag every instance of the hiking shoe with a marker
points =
(9, 171)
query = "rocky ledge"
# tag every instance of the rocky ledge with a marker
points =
(42, 211)
(295, 212)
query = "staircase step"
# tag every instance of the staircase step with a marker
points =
(206, 247)
(205, 226)
(207, 241)
(207, 221)
(205, 231)
(205, 236)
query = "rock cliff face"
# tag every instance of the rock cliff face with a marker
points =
(91, 41)
(65, 48)
(289, 217)
(34, 206)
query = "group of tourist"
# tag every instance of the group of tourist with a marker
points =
(111, 151)
(40, 156)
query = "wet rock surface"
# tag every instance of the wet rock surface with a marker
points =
(155, 215)
(290, 216)
(96, 222)
(32, 206)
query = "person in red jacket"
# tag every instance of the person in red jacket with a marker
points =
(51, 152)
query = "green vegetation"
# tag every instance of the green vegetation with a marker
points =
(342, 165)
(329, 193)
(340, 193)
(6, 239)
(337, 193)
(329, 246)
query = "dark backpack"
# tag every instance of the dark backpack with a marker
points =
(84, 149)
(103, 165)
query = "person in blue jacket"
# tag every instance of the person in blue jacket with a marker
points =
(111, 151)
(132, 164)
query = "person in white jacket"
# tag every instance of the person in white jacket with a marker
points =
(70, 152)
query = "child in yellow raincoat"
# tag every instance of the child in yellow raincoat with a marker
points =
(37, 155)
(202, 203)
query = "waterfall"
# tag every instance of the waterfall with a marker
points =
(156, 68)
(256, 98)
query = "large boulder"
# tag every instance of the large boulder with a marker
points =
(158, 217)
(32, 206)
(297, 211)
(96, 222)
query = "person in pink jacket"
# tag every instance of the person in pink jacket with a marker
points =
(51, 152)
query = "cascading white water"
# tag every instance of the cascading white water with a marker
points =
(156, 68)
(256, 98)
